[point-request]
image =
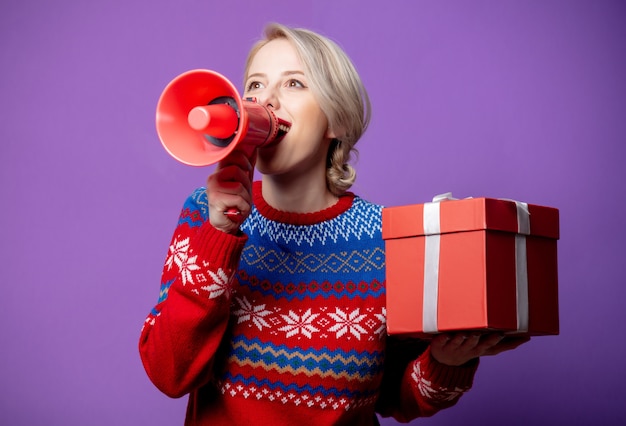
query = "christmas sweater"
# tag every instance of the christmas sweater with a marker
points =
(284, 323)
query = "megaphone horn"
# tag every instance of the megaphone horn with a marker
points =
(201, 118)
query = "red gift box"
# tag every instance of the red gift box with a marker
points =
(478, 264)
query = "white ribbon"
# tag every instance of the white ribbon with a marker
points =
(431, 267)
(521, 265)
(432, 233)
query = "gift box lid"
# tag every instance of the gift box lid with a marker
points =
(470, 214)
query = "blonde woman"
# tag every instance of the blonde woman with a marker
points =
(277, 316)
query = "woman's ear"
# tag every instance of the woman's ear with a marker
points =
(331, 133)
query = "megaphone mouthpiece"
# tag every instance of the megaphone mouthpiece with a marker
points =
(217, 120)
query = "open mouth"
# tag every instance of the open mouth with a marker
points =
(283, 128)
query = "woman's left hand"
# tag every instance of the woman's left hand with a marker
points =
(458, 348)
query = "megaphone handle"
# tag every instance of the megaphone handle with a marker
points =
(233, 212)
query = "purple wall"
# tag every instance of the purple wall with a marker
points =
(513, 99)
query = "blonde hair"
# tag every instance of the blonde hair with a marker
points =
(338, 89)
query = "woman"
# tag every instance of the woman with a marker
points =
(277, 316)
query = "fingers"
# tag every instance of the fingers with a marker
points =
(467, 341)
(506, 344)
(229, 189)
(455, 348)
(487, 341)
(458, 348)
(232, 181)
(438, 343)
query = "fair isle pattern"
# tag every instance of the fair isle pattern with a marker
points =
(196, 208)
(313, 289)
(214, 282)
(323, 322)
(427, 389)
(306, 396)
(361, 219)
(364, 260)
(291, 340)
(337, 364)
(179, 255)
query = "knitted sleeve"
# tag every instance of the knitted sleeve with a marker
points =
(182, 333)
(416, 385)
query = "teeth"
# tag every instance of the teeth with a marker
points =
(284, 128)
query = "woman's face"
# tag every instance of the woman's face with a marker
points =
(277, 80)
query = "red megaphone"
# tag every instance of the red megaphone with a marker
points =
(201, 118)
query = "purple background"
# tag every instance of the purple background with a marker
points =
(512, 99)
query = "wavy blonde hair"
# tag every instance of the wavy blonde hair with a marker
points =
(338, 88)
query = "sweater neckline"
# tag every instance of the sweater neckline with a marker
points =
(343, 204)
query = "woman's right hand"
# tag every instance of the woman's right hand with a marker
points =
(459, 348)
(229, 188)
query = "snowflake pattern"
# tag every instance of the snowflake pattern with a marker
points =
(220, 284)
(249, 312)
(382, 328)
(300, 324)
(348, 322)
(427, 390)
(313, 322)
(179, 255)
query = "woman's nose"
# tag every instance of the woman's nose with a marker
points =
(269, 99)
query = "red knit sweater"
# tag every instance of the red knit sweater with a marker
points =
(284, 324)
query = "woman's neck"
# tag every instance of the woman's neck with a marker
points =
(303, 195)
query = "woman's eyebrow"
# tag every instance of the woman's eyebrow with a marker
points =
(256, 75)
(284, 74)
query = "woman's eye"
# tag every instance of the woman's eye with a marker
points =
(253, 85)
(295, 83)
